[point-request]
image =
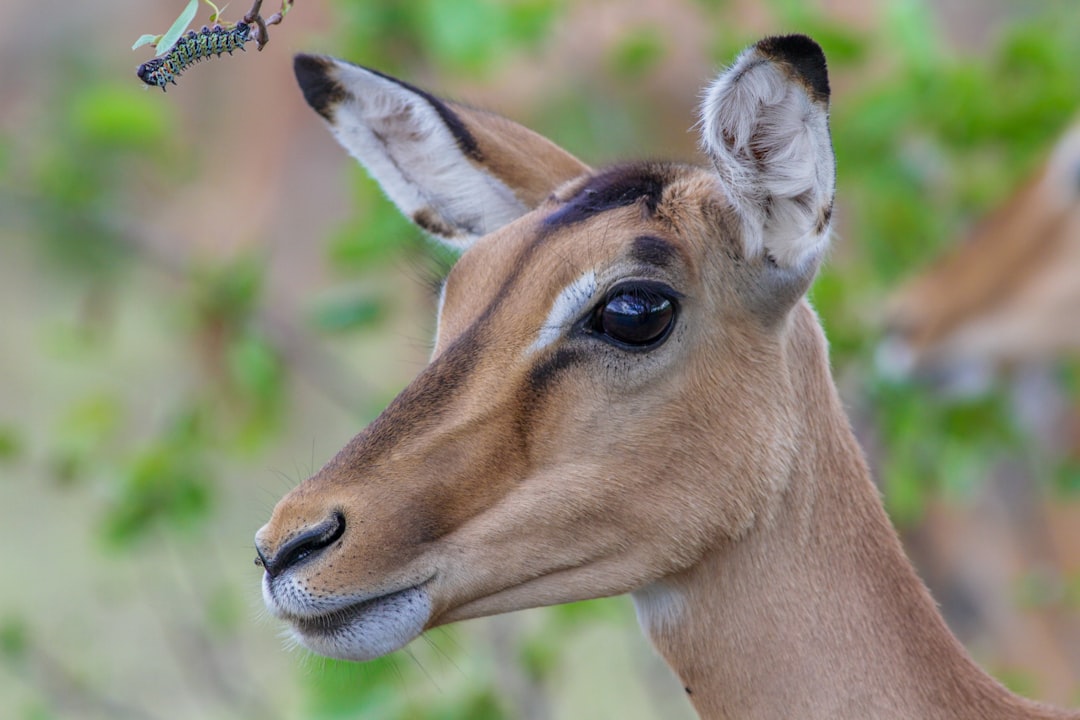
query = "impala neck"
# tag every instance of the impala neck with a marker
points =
(816, 612)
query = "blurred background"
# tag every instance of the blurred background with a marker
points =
(202, 299)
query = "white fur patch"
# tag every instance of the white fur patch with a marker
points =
(439, 312)
(769, 141)
(894, 358)
(348, 627)
(1063, 167)
(658, 607)
(568, 305)
(403, 142)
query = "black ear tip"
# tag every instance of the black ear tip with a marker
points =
(308, 67)
(322, 92)
(804, 56)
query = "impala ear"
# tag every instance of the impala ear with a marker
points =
(765, 125)
(458, 173)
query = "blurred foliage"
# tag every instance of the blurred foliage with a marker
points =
(10, 443)
(637, 53)
(167, 481)
(342, 314)
(73, 169)
(968, 436)
(374, 235)
(919, 157)
(464, 37)
(12, 639)
(380, 688)
(927, 138)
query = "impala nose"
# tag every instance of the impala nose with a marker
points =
(304, 545)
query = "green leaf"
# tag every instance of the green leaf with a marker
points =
(481, 704)
(145, 40)
(162, 486)
(216, 14)
(349, 313)
(256, 368)
(225, 611)
(913, 29)
(1072, 591)
(1067, 478)
(90, 425)
(177, 29)
(538, 657)
(1018, 681)
(166, 483)
(345, 689)
(13, 638)
(638, 52)
(227, 293)
(529, 21)
(464, 34)
(118, 117)
(10, 443)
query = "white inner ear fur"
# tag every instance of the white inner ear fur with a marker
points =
(769, 140)
(402, 141)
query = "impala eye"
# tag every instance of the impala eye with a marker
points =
(637, 316)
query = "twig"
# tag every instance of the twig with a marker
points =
(254, 17)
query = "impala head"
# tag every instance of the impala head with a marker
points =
(1007, 294)
(608, 396)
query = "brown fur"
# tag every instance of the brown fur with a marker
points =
(530, 164)
(715, 476)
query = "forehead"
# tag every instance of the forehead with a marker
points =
(649, 218)
(641, 184)
(650, 221)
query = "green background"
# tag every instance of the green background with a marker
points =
(202, 298)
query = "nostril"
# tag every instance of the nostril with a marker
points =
(305, 545)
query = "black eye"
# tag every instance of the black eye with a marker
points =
(636, 316)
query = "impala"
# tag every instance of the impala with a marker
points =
(1008, 295)
(1001, 307)
(628, 393)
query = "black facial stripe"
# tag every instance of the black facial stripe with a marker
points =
(549, 369)
(653, 251)
(617, 187)
(422, 403)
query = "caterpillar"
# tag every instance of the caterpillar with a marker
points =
(190, 49)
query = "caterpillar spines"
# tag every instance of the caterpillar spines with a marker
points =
(190, 49)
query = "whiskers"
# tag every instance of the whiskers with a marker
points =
(448, 636)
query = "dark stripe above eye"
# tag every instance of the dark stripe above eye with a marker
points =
(616, 187)
(653, 251)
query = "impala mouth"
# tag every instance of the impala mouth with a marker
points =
(332, 622)
(367, 629)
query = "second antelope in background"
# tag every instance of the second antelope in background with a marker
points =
(1008, 295)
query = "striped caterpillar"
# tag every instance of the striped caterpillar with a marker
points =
(190, 49)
